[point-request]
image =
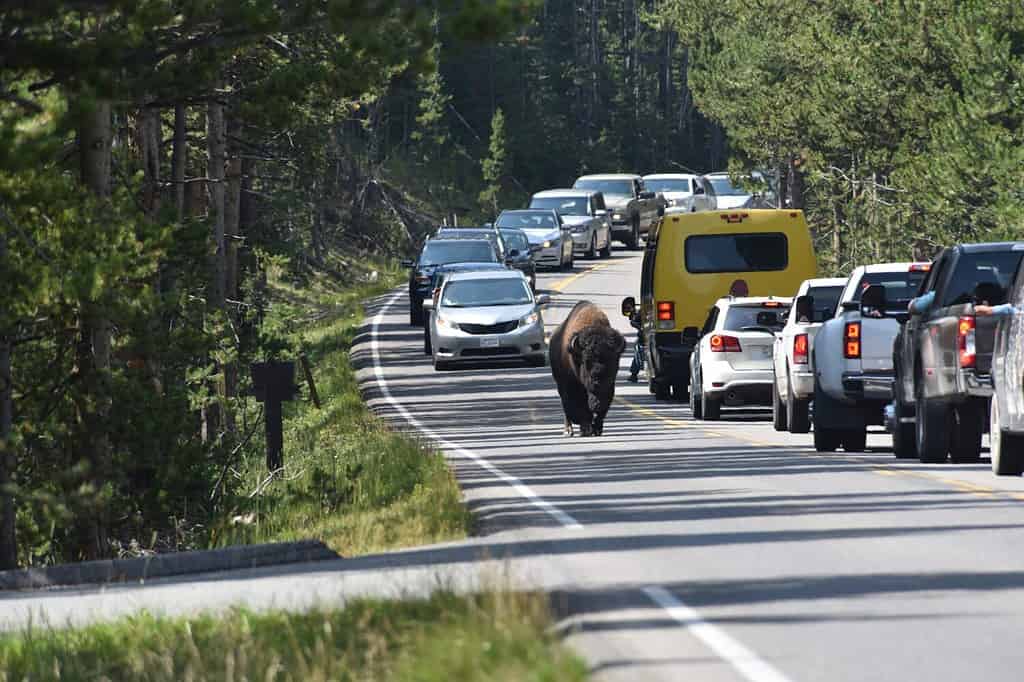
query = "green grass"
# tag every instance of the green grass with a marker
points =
(497, 636)
(349, 480)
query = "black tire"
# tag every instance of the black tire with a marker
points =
(441, 365)
(798, 411)
(591, 253)
(633, 240)
(965, 440)
(710, 407)
(931, 429)
(779, 420)
(662, 390)
(695, 406)
(904, 440)
(680, 391)
(652, 386)
(827, 440)
(606, 252)
(1007, 449)
(428, 348)
(415, 312)
(855, 440)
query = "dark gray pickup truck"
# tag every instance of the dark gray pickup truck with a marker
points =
(943, 354)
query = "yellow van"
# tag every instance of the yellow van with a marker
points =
(693, 259)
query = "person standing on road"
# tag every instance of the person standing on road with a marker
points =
(638, 348)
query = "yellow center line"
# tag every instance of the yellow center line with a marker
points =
(561, 284)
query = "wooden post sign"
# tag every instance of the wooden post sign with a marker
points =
(272, 384)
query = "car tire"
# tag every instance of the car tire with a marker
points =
(695, 403)
(904, 440)
(652, 386)
(607, 250)
(1007, 450)
(591, 253)
(931, 430)
(441, 365)
(634, 236)
(827, 440)
(428, 347)
(680, 391)
(779, 420)
(855, 440)
(415, 312)
(965, 440)
(798, 411)
(710, 407)
(662, 390)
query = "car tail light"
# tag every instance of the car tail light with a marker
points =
(851, 341)
(666, 312)
(771, 304)
(920, 267)
(734, 217)
(966, 341)
(800, 349)
(721, 343)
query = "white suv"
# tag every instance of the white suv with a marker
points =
(732, 363)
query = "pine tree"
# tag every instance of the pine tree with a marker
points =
(495, 165)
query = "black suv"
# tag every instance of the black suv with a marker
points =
(438, 252)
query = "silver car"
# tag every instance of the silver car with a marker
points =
(486, 316)
(584, 212)
(545, 229)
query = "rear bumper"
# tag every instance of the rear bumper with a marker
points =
(858, 386)
(974, 385)
(673, 361)
(738, 386)
(802, 382)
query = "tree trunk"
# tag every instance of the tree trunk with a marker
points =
(8, 463)
(215, 174)
(179, 159)
(233, 241)
(93, 348)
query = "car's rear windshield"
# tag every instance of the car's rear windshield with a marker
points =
(515, 240)
(562, 205)
(755, 317)
(463, 251)
(900, 287)
(758, 252)
(528, 221)
(677, 185)
(474, 293)
(607, 186)
(995, 270)
(825, 301)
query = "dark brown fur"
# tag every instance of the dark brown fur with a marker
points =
(585, 373)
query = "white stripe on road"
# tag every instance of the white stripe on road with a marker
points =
(746, 662)
(515, 483)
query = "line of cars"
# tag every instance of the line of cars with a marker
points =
(931, 350)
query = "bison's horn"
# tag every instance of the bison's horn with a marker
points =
(574, 343)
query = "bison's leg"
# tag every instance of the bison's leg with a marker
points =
(586, 429)
(568, 428)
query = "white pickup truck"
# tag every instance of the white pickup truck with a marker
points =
(815, 302)
(853, 354)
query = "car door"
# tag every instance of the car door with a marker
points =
(911, 333)
(931, 336)
(705, 333)
(1008, 359)
(603, 236)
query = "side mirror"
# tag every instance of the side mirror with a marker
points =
(647, 195)
(428, 304)
(542, 299)
(628, 306)
(690, 335)
(407, 263)
(699, 190)
(872, 301)
(803, 307)
(850, 305)
(513, 253)
(601, 212)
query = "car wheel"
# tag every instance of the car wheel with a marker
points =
(680, 391)
(798, 411)
(965, 440)
(827, 440)
(1007, 449)
(710, 407)
(778, 410)
(607, 250)
(931, 430)
(634, 237)
(904, 440)
(695, 406)
(592, 251)
(662, 390)
(855, 440)
(652, 386)
(441, 365)
(428, 348)
(415, 312)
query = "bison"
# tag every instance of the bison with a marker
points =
(584, 353)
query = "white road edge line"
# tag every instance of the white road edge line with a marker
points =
(565, 519)
(743, 660)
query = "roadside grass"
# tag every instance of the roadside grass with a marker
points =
(348, 479)
(499, 636)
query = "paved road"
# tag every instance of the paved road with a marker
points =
(676, 549)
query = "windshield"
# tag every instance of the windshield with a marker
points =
(674, 185)
(475, 293)
(725, 188)
(467, 251)
(900, 287)
(825, 301)
(994, 270)
(755, 317)
(563, 205)
(529, 221)
(515, 240)
(607, 186)
(759, 252)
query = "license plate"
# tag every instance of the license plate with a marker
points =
(490, 343)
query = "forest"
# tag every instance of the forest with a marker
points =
(158, 158)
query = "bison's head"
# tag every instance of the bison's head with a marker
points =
(596, 351)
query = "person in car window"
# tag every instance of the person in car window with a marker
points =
(1003, 310)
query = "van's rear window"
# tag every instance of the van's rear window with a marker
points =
(759, 252)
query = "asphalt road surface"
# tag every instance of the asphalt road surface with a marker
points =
(675, 549)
